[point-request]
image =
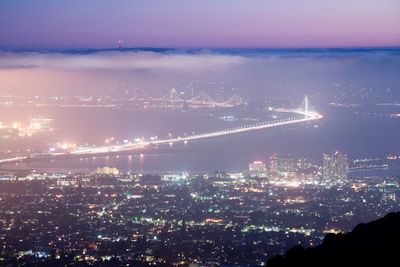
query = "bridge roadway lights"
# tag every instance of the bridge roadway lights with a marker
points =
(308, 117)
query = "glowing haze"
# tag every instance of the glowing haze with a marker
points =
(206, 23)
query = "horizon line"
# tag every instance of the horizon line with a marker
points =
(172, 48)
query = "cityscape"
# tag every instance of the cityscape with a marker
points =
(180, 219)
(199, 133)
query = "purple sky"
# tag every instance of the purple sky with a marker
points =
(199, 23)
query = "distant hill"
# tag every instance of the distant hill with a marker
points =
(376, 243)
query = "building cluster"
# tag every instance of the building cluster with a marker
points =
(183, 219)
(34, 126)
(285, 168)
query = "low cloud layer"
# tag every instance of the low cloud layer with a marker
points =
(118, 60)
(249, 73)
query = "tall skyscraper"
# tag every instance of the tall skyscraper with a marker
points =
(257, 169)
(273, 163)
(335, 167)
(286, 164)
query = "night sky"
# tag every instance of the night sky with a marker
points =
(192, 23)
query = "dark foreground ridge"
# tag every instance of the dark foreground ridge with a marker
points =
(375, 243)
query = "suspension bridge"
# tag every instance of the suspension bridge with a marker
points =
(302, 114)
(174, 100)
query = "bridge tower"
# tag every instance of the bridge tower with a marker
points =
(173, 94)
(305, 105)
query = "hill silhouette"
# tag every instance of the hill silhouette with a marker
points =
(376, 243)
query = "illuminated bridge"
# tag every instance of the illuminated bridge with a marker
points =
(306, 115)
(174, 100)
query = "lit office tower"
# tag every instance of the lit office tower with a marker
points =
(273, 164)
(286, 164)
(335, 167)
(257, 169)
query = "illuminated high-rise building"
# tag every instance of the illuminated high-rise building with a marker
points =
(335, 167)
(273, 163)
(286, 164)
(257, 169)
